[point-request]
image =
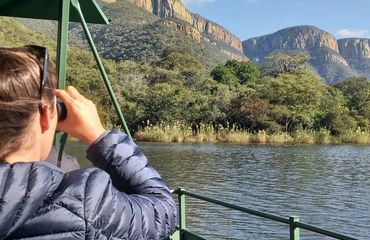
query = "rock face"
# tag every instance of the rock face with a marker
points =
(354, 48)
(209, 29)
(303, 38)
(333, 60)
(357, 53)
(188, 30)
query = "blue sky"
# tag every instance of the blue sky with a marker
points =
(251, 18)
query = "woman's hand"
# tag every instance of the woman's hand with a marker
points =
(82, 120)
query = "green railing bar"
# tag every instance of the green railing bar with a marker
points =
(185, 234)
(293, 222)
(232, 206)
(323, 231)
(76, 5)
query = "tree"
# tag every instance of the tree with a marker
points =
(173, 59)
(284, 62)
(336, 117)
(253, 113)
(225, 75)
(357, 92)
(164, 103)
(246, 72)
(236, 72)
(83, 73)
(298, 95)
(168, 103)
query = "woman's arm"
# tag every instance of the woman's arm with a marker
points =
(128, 200)
(136, 204)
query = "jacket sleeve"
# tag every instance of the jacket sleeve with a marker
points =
(132, 202)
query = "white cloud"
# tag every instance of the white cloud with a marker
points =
(355, 33)
(197, 1)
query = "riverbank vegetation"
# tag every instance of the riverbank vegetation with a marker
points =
(282, 102)
(176, 98)
(207, 133)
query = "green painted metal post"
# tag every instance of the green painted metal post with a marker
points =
(182, 221)
(76, 5)
(294, 231)
(62, 43)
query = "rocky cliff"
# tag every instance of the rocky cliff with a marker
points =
(357, 53)
(333, 60)
(303, 38)
(354, 48)
(138, 35)
(209, 29)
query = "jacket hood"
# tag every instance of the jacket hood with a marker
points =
(23, 189)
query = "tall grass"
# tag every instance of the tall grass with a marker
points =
(165, 133)
(358, 136)
(179, 132)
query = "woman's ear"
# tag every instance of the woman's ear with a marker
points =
(45, 118)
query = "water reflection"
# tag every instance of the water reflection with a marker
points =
(324, 185)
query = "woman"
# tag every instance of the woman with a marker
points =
(123, 198)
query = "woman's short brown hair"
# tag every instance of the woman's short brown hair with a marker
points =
(20, 73)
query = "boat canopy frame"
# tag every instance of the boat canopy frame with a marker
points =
(66, 11)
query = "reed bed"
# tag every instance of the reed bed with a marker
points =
(357, 137)
(179, 132)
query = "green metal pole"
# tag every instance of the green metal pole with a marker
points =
(182, 221)
(62, 42)
(294, 230)
(76, 5)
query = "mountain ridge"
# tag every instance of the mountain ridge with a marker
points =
(330, 57)
(333, 59)
(208, 29)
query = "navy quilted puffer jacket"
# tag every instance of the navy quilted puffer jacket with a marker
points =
(128, 200)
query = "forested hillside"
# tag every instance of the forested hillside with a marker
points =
(137, 35)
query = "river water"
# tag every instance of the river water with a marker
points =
(325, 185)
